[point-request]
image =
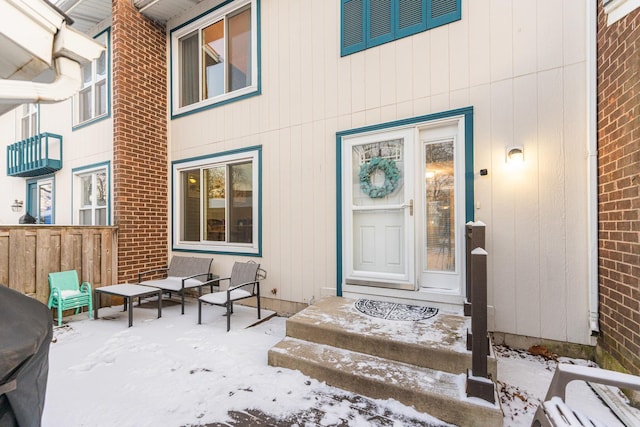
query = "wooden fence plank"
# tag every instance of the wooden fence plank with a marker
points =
(28, 253)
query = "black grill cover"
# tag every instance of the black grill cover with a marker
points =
(26, 329)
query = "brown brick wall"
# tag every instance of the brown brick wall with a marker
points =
(619, 181)
(140, 141)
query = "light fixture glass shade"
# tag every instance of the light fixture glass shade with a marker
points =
(515, 154)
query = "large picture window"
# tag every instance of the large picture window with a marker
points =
(217, 203)
(91, 195)
(214, 59)
(92, 101)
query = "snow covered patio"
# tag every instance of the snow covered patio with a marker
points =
(172, 372)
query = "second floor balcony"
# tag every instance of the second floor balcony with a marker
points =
(35, 156)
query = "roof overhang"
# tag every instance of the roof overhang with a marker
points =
(37, 42)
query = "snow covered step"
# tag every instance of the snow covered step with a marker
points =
(437, 343)
(438, 393)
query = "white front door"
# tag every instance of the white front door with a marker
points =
(379, 217)
(404, 212)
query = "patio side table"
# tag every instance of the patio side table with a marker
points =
(128, 292)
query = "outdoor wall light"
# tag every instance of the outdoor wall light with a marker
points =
(515, 155)
(17, 205)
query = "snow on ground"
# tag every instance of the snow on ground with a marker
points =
(173, 372)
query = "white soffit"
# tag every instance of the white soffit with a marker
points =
(86, 14)
(163, 10)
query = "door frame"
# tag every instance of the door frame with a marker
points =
(466, 116)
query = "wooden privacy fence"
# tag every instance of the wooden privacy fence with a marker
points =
(28, 253)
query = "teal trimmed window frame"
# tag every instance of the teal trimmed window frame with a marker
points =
(199, 21)
(368, 23)
(225, 157)
(81, 170)
(466, 113)
(79, 125)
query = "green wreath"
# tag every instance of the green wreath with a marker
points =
(391, 177)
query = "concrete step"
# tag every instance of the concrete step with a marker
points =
(438, 343)
(438, 393)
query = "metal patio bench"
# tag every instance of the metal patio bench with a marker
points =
(183, 273)
(554, 412)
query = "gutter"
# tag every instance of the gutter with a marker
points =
(70, 50)
(592, 165)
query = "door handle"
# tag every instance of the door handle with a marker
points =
(410, 206)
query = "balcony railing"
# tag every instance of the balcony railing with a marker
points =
(38, 155)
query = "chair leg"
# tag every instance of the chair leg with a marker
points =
(90, 308)
(59, 314)
(182, 299)
(199, 312)
(229, 311)
(258, 297)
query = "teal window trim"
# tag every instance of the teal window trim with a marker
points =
(175, 202)
(359, 37)
(77, 126)
(79, 170)
(467, 112)
(203, 105)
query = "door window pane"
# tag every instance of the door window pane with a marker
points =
(440, 209)
(85, 217)
(45, 203)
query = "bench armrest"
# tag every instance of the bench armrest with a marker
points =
(565, 373)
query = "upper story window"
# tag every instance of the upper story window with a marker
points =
(215, 58)
(29, 121)
(217, 203)
(368, 23)
(91, 195)
(92, 101)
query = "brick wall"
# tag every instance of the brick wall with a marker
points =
(140, 172)
(619, 180)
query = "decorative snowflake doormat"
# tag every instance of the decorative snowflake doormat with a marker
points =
(393, 311)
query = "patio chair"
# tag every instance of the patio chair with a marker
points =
(67, 293)
(243, 283)
(554, 412)
(183, 273)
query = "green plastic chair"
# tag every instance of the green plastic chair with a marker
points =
(67, 293)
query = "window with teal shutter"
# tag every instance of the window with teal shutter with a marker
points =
(368, 23)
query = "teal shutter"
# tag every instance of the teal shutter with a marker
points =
(352, 30)
(380, 15)
(441, 12)
(411, 17)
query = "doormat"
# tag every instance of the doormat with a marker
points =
(394, 311)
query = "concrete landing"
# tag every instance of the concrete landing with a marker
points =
(419, 363)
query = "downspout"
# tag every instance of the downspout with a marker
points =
(70, 50)
(592, 165)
